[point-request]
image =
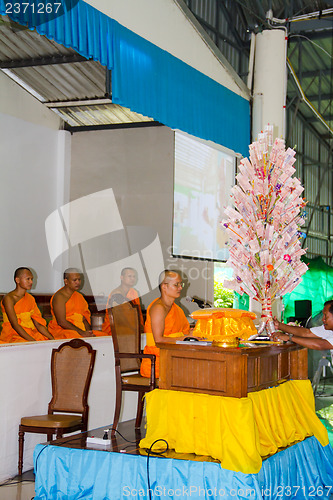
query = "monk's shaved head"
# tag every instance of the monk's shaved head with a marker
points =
(123, 271)
(166, 276)
(71, 270)
(19, 271)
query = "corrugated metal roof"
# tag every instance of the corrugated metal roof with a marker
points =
(106, 114)
(50, 70)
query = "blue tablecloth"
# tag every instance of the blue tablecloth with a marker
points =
(303, 471)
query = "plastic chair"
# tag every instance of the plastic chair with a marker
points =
(71, 371)
(324, 363)
(126, 336)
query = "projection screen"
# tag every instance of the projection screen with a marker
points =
(203, 178)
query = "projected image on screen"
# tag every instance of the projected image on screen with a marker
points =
(204, 177)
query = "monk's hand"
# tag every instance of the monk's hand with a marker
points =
(88, 333)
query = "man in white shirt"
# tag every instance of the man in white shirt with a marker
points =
(319, 337)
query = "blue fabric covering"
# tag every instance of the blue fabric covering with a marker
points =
(302, 471)
(145, 78)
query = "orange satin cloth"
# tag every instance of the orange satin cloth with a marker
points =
(176, 325)
(223, 323)
(131, 295)
(238, 432)
(26, 309)
(76, 310)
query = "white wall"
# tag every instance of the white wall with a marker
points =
(34, 179)
(26, 390)
(137, 163)
(16, 102)
(165, 24)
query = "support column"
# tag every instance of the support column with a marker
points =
(270, 82)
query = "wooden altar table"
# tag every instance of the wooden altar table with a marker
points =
(229, 371)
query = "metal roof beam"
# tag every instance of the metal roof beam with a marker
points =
(311, 74)
(319, 137)
(317, 97)
(80, 102)
(42, 61)
(231, 22)
(315, 30)
(328, 118)
(220, 35)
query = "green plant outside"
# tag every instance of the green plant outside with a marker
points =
(222, 296)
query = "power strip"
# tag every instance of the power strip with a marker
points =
(96, 440)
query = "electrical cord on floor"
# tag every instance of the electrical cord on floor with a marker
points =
(151, 452)
(70, 439)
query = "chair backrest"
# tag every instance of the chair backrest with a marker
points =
(71, 370)
(125, 330)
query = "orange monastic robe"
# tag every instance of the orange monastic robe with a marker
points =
(76, 310)
(26, 310)
(176, 325)
(131, 295)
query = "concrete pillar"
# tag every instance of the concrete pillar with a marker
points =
(269, 82)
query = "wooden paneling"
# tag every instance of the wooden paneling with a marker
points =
(229, 372)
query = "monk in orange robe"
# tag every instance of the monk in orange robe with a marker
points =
(70, 312)
(22, 320)
(123, 293)
(165, 321)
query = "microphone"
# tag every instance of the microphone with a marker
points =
(199, 302)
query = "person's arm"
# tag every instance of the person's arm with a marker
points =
(157, 318)
(299, 331)
(301, 336)
(42, 329)
(59, 309)
(8, 303)
(316, 343)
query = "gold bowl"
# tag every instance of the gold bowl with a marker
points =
(226, 342)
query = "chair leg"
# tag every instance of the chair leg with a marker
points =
(139, 412)
(116, 411)
(21, 445)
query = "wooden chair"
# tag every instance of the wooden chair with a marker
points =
(71, 370)
(126, 336)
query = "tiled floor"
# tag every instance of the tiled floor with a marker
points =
(19, 488)
(24, 488)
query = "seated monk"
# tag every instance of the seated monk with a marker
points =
(70, 312)
(165, 321)
(22, 320)
(123, 293)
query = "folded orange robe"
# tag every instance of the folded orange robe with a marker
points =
(176, 325)
(26, 309)
(131, 295)
(76, 310)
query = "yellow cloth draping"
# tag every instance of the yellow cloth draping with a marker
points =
(238, 432)
(224, 323)
(217, 327)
